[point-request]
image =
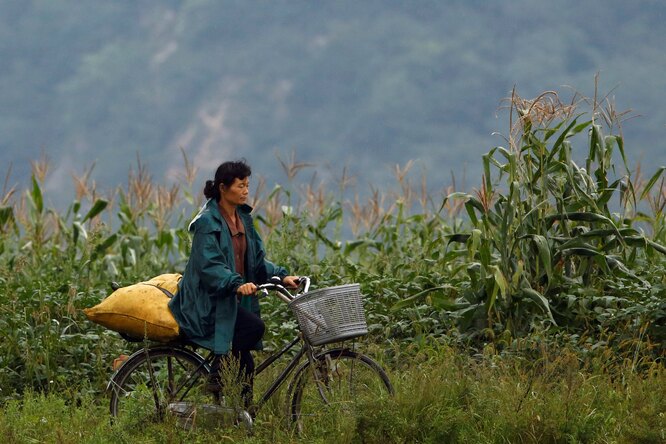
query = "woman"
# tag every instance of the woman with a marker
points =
(214, 305)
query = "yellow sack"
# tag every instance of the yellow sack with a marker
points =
(140, 310)
(167, 281)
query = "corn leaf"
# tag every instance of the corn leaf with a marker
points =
(544, 254)
(540, 300)
(78, 230)
(411, 300)
(582, 251)
(36, 196)
(6, 215)
(660, 248)
(651, 182)
(98, 207)
(460, 238)
(101, 248)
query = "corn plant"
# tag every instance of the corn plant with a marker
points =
(542, 227)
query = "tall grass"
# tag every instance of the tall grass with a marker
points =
(442, 395)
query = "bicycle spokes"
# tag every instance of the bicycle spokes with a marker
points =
(336, 383)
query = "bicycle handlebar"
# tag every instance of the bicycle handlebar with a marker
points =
(275, 284)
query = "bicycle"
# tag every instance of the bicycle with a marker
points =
(169, 379)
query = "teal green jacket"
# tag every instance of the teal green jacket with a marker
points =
(206, 304)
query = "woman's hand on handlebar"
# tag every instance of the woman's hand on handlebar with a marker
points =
(247, 289)
(291, 281)
(280, 286)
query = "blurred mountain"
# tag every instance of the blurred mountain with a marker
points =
(363, 85)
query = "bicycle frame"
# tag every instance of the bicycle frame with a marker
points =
(284, 374)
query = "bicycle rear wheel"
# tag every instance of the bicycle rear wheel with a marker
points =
(339, 380)
(161, 382)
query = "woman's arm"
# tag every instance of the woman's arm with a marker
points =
(214, 272)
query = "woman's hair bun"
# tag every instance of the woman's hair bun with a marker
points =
(209, 189)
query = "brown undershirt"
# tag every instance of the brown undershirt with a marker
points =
(238, 241)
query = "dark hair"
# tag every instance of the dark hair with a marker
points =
(226, 174)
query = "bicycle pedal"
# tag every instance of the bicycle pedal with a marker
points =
(245, 419)
(190, 416)
(181, 408)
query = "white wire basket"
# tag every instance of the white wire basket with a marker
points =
(330, 314)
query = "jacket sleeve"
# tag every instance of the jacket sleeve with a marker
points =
(215, 275)
(275, 270)
(270, 267)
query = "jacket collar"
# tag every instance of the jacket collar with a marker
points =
(245, 208)
(212, 208)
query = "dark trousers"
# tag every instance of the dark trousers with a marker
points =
(249, 330)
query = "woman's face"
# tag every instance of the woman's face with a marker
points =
(236, 193)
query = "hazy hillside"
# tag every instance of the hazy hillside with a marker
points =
(364, 84)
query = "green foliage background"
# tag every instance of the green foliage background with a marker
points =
(540, 252)
(539, 297)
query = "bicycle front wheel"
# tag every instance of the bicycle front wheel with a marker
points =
(335, 385)
(159, 382)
